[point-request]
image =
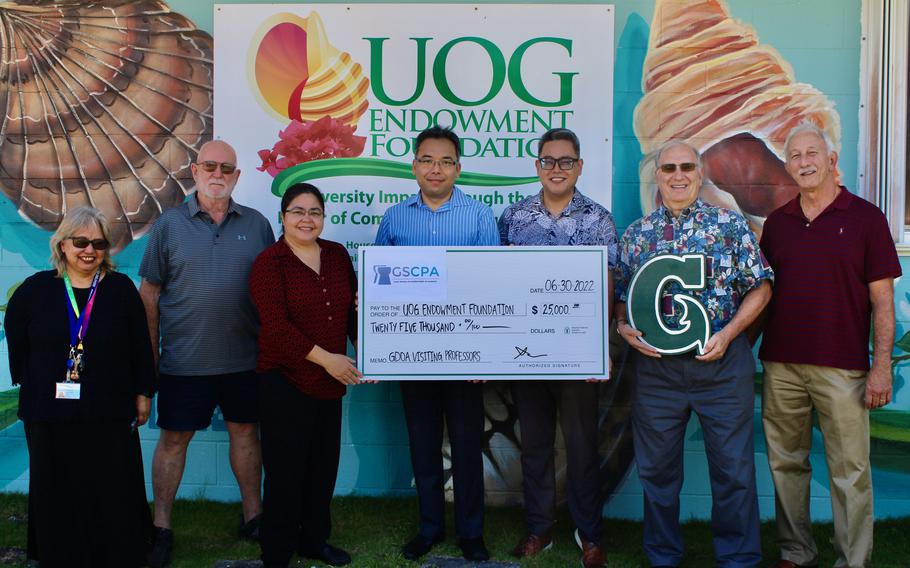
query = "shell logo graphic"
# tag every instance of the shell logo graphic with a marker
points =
(298, 75)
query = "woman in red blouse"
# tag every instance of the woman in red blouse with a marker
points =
(303, 288)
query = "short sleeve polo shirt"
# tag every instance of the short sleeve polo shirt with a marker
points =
(207, 320)
(820, 312)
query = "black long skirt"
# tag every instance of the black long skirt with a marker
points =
(87, 505)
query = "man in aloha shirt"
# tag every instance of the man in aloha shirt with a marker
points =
(717, 384)
(560, 215)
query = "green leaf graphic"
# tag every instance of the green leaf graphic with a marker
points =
(337, 167)
(904, 342)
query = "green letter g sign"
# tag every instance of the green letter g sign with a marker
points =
(644, 303)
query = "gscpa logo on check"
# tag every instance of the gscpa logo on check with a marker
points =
(385, 275)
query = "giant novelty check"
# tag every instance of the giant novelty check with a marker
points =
(483, 312)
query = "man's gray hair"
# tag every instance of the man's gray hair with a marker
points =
(803, 127)
(672, 144)
(79, 218)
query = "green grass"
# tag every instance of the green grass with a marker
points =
(9, 406)
(372, 530)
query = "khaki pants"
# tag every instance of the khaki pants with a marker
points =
(790, 393)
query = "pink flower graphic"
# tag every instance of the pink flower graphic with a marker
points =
(306, 141)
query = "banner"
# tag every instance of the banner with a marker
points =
(335, 95)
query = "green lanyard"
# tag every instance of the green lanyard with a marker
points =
(69, 292)
(79, 322)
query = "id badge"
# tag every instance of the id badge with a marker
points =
(68, 391)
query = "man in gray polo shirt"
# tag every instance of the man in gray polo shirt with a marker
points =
(194, 287)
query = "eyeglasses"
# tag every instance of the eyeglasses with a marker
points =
(564, 163)
(300, 213)
(444, 164)
(210, 166)
(685, 166)
(84, 242)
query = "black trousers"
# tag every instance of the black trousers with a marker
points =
(460, 405)
(537, 403)
(301, 443)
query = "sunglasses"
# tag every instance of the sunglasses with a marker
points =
(210, 166)
(84, 242)
(685, 166)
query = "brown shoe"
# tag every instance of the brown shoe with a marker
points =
(532, 545)
(592, 556)
(790, 564)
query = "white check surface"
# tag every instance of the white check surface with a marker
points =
(483, 313)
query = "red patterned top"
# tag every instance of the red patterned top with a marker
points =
(299, 309)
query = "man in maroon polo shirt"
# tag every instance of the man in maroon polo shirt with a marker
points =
(835, 264)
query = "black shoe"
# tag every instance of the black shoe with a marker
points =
(331, 555)
(473, 549)
(162, 545)
(249, 530)
(418, 546)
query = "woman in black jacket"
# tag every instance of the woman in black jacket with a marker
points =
(79, 349)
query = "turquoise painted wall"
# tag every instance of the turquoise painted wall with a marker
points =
(819, 38)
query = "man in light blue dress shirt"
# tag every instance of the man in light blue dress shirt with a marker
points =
(440, 214)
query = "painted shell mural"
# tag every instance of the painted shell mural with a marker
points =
(105, 104)
(709, 80)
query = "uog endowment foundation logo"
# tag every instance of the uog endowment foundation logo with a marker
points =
(299, 77)
(645, 303)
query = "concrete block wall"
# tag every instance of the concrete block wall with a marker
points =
(821, 39)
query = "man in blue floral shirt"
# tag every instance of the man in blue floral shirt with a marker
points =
(717, 384)
(559, 215)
